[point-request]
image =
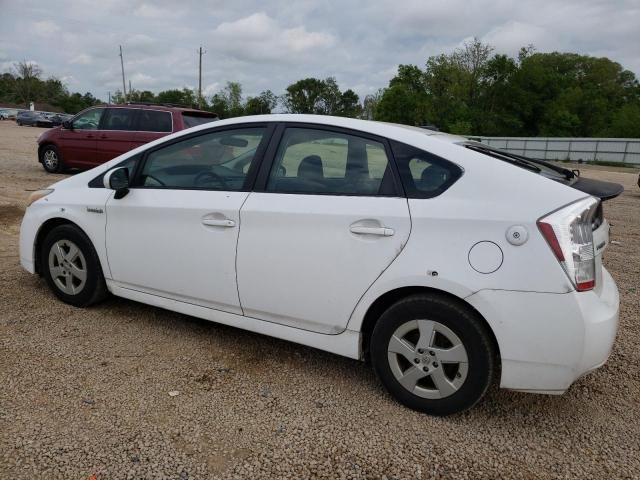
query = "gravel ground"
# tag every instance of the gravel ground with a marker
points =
(87, 392)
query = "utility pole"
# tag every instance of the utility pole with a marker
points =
(200, 77)
(124, 85)
(130, 89)
(109, 98)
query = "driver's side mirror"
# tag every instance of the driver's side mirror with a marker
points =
(67, 124)
(118, 180)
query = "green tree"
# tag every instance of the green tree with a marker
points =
(262, 104)
(349, 105)
(305, 96)
(28, 81)
(185, 97)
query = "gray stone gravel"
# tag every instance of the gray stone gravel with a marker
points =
(86, 392)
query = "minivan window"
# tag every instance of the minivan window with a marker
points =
(119, 119)
(326, 162)
(195, 119)
(88, 120)
(154, 121)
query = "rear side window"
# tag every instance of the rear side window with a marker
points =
(194, 119)
(119, 119)
(423, 174)
(326, 162)
(154, 121)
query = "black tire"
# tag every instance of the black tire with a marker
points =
(51, 159)
(94, 288)
(470, 330)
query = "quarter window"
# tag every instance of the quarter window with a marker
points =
(423, 174)
(326, 162)
(88, 120)
(213, 161)
(154, 121)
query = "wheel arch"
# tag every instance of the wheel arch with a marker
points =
(384, 301)
(44, 230)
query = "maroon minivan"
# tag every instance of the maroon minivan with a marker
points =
(101, 133)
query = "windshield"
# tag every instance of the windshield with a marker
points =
(538, 166)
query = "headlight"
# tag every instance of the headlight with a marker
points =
(37, 195)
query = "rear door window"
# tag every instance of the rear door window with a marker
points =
(154, 121)
(119, 119)
(326, 162)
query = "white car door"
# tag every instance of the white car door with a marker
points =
(329, 221)
(175, 234)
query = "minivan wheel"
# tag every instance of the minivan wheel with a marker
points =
(51, 160)
(71, 267)
(432, 354)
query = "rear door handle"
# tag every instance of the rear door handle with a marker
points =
(218, 222)
(380, 231)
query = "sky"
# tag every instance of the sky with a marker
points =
(271, 44)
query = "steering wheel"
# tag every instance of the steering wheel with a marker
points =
(203, 179)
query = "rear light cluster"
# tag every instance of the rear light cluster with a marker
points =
(569, 233)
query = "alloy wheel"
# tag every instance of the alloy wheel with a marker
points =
(68, 267)
(428, 359)
(50, 159)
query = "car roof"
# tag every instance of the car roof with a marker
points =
(395, 131)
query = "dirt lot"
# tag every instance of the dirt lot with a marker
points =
(87, 391)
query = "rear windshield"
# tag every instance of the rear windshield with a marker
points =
(538, 166)
(195, 119)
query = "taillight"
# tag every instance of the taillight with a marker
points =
(569, 233)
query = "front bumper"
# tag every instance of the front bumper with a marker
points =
(547, 340)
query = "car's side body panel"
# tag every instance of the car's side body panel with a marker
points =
(295, 251)
(347, 343)
(548, 334)
(190, 261)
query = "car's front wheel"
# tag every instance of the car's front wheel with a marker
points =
(51, 160)
(71, 266)
(433, 354)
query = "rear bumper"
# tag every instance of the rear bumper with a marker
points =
(546, 340)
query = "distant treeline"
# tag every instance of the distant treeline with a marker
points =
(470, 91)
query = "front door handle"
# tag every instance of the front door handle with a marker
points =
(218, 222)
(380, 231)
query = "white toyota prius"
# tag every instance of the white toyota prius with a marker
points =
(446, 263)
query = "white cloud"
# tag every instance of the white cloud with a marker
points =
(82, 59)
(45, 28)
(268, 45)
(259, 37)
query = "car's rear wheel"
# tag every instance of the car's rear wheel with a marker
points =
(51, 160)
(71, 267)
(433, 354)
